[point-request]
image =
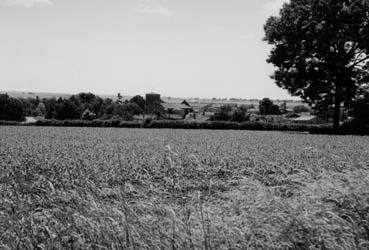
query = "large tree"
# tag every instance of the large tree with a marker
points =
(11, 109)
(321, 50)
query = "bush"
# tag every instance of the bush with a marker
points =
(349, 128)
(240, 115)
(353, 127)
(9, 123)
(94, 123)
(88, 115)
(223, 125)
(223, 114)
(360, 111)
(301, 109)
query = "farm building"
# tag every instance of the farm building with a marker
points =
(181, 109)
(153, 98)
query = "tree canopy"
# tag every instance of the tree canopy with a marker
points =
(11, 109)
(321, 50)
(267, 107)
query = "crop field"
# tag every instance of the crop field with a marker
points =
(95, 188)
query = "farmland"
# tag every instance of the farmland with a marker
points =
(95, 188)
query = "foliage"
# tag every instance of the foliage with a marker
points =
(321, 50)
(140, 101)
(223, 114)
(87, 106)
(88, 115)
(41, 109)
(360, 110)
(121, 110)
(10, 123)
(226, 113)
(134, 109)
(300, 109)
(240, 115)
(154, 108)
(267, 107)
(154, 189)
(274, 110)
(112, 123)
(226, 125)
(11, 109)
(66, 110)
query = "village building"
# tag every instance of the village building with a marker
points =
(177, 109)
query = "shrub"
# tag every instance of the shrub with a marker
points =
(360, 111)
(88, 115)
(9, 123)
(240, 115)
(301, 109)
(223, 114)
(346, 129)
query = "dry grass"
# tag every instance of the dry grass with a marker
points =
(69, 188)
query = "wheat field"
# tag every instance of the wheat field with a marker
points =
(96, 188)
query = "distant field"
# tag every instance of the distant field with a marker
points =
(87, 188)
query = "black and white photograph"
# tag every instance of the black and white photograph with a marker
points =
(184, 124)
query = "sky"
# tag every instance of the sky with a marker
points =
(178, 48)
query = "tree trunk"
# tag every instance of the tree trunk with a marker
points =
(337, 111)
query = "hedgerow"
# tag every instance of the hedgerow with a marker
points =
(346, 129)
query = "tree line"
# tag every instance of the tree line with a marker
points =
(84, 106)
(88, 107)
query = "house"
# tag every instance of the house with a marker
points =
(177, 109)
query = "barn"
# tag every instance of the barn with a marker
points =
(177, 110)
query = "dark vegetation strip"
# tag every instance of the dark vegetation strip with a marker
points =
(211, 125)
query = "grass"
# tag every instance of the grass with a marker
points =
(105, 188)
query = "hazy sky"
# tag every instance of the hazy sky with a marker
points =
(183, 48)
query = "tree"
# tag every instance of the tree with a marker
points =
(139, 100)
(360, 110)
(41, 109)
(88, 115)
(239, 115)
(265, 106)
(11, 109)
(133, 108)
(122, 111)
(321, 50)
(274, 110)
(155, 108)
(66, 110)
(223, 114)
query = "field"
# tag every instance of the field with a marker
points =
(95, 188)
